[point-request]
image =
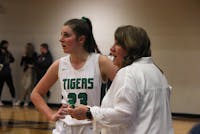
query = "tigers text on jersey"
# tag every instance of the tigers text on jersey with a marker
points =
(82, 86)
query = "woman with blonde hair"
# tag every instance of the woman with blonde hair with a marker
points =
(28, 61)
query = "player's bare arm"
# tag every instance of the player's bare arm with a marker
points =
(41, 89)
(108, 69)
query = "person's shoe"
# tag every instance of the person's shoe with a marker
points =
(13, 101)
(17, 103)
(1, 103)
(26, 104)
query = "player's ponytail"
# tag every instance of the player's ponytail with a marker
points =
(90, 44)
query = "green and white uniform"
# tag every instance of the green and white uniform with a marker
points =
(82, 86)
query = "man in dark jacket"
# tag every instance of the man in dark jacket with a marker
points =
(5, 71)
(43, 62)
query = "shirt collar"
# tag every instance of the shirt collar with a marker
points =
(144, 60)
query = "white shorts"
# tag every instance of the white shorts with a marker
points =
(62, 128)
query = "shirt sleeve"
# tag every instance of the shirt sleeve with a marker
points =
(125, 99)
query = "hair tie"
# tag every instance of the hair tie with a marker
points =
(84, 19)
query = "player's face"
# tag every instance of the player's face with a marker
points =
(118, 53)
(68, 40)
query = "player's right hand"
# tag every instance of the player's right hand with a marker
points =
(61, 113)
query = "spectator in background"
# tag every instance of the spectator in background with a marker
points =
(28, 62)
(44, 61)
(6, 58)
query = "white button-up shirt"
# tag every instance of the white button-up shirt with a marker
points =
(138, 102)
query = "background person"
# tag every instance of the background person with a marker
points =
(6, 58)
(44, 61)
(28, 62)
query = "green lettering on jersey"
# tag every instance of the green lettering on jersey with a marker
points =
(73, 84)
(84, 83)
(68, 83)
(64, 83)
(78, 83)
(90, 83)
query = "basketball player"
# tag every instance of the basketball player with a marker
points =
(80, 73)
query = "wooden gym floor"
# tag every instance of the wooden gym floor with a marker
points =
(27, 120)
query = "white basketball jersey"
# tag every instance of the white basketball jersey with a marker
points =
(82, 86)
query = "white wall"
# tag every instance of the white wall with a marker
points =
(173, 27)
